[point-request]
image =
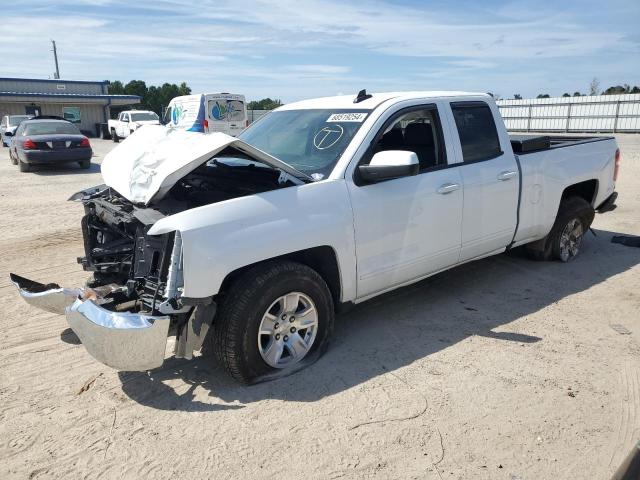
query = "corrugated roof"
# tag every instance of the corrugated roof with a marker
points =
(69, 95)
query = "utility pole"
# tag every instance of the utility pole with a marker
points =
(56, 75)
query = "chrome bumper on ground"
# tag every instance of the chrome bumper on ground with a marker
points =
(122, 340)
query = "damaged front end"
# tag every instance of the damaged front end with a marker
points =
(124, 314)
(135, 296)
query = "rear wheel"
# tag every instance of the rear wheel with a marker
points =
(12, 158)
(24, 167)
(276, 318)
(86, 164)
(565, 238)
(114, 136)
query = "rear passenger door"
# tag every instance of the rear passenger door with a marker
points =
(490, 181)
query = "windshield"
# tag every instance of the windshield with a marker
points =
(16, 119)
(143, 116)
(311, 141)
(51, 128)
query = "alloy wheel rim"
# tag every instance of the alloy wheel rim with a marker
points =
(570, 239)
(287, 330)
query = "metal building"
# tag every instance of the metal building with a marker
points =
(81, 102)
(595, 113)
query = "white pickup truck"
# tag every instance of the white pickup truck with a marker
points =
(129, 121)
(321, 204)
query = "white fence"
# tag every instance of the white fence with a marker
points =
(597, 113)
(253, 115)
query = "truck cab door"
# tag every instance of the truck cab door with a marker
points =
(407, 228)
(124, 126)
(490, 177)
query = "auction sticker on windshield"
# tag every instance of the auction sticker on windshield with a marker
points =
(348, 117)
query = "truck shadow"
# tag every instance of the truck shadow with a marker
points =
(398, 328)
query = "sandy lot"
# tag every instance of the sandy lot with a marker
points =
(499, 369)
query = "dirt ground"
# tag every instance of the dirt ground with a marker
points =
(499, 369)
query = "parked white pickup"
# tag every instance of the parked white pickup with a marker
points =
(129, 121)
(320, 204)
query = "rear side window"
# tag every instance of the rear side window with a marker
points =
(477, 131)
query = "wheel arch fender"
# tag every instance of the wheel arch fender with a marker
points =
(311, 224)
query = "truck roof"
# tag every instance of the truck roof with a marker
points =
(346, 101)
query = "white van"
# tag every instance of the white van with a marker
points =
(208, 112)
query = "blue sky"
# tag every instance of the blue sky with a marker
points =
(295, 49)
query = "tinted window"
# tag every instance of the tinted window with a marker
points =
(50, 128)
(16, 119)
(143, 116)
(477, 131)
(416, 131)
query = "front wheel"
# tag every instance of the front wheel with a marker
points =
(114, 136)
(12, 158)
(276, 318)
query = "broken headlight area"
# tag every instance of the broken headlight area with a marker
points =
(119, 251)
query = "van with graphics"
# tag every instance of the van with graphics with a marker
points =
(208, 113)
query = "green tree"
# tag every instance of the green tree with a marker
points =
(264, 104)
(136, 87)
(116, 88)
(577, 94)
(543, 95)
(566, 95)
(151, 98)
(517, 96)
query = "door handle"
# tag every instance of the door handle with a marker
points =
(508, 175)
(448, 188)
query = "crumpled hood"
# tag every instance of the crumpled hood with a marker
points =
(146, 165)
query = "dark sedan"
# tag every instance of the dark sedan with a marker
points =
(40, 141)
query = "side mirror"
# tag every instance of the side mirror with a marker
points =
(390, 164)
(8, 133)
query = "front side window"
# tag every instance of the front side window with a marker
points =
(477, 131)
(418, 131)
(311, 141)
(16, 119)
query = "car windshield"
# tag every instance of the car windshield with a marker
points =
(143, 116)
(16, 119)
(311, 141)
(51, 128)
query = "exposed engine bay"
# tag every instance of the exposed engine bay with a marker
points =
(148, 269)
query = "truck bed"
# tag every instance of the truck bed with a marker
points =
(524, 144)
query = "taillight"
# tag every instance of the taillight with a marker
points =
(28, 144)
(205, 124)
(616, 169)
(84, 142)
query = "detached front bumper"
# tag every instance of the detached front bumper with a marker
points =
(122, 340)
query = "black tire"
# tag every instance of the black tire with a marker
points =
(571, 209)
(114, 136)
(85, 164)
(12, 158)
(234, 338)
(24, 167)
